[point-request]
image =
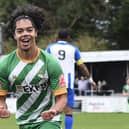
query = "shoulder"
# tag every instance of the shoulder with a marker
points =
(47, 56)
(51, 44)
(73, 48)
(6, 61)
(8, 57)
(125, 87)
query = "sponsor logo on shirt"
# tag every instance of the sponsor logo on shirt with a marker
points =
(30, 88)
(42, 85)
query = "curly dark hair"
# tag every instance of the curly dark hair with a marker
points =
(29, 11)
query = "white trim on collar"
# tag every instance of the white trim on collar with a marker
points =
(61, 41)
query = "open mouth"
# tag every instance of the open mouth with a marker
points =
(25, 41)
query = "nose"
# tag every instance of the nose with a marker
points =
(25, 32)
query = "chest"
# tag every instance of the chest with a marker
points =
(29, 76)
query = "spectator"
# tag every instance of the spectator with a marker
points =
(125, 89)
(103, 88)
(99, 87)
(83, 85)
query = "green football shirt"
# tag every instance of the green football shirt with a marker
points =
(126, 89)
(33, 82)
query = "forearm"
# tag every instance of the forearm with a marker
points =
(84, 70)
(3, 102)
(61, 102)
(56, 109)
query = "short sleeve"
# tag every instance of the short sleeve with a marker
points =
(4, 83)
(57, 81)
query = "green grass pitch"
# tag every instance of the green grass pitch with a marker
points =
(85, 121)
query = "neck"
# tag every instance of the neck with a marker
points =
(29, 55)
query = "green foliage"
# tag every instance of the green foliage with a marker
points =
(84, 42)
(121, 26)
(7, 6)
(88, 43)
(105, 23)
(9, 45)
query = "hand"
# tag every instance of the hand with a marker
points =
(93, 84)
(4, 113)
(48, 115)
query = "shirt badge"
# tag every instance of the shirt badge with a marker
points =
(62, 82)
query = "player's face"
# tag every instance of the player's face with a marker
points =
(25, 34)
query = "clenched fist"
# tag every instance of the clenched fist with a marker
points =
(48, 115)
(4, 113)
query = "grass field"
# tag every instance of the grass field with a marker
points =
(86, 121)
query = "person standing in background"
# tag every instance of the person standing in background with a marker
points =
(125, 89)
(83, 86)
(68, 55)
(34, 75)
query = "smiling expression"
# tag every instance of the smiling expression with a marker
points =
(25, 34)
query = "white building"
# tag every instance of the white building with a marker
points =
(112, 66)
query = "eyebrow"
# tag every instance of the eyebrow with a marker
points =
(24, 28)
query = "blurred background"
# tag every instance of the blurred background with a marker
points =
(100, 28)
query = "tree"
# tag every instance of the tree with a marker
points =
(119, 30)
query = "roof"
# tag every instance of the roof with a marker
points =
(105, 56)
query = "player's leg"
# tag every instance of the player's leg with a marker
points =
(68, 118)
(69, 109)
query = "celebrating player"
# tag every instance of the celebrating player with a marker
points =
(34, 75)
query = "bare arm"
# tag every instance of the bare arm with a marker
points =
(61, 101)
(2, 101)
(4, 113)
(85, 72)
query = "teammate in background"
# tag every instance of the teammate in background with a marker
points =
(33, 74)
(68, 54)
